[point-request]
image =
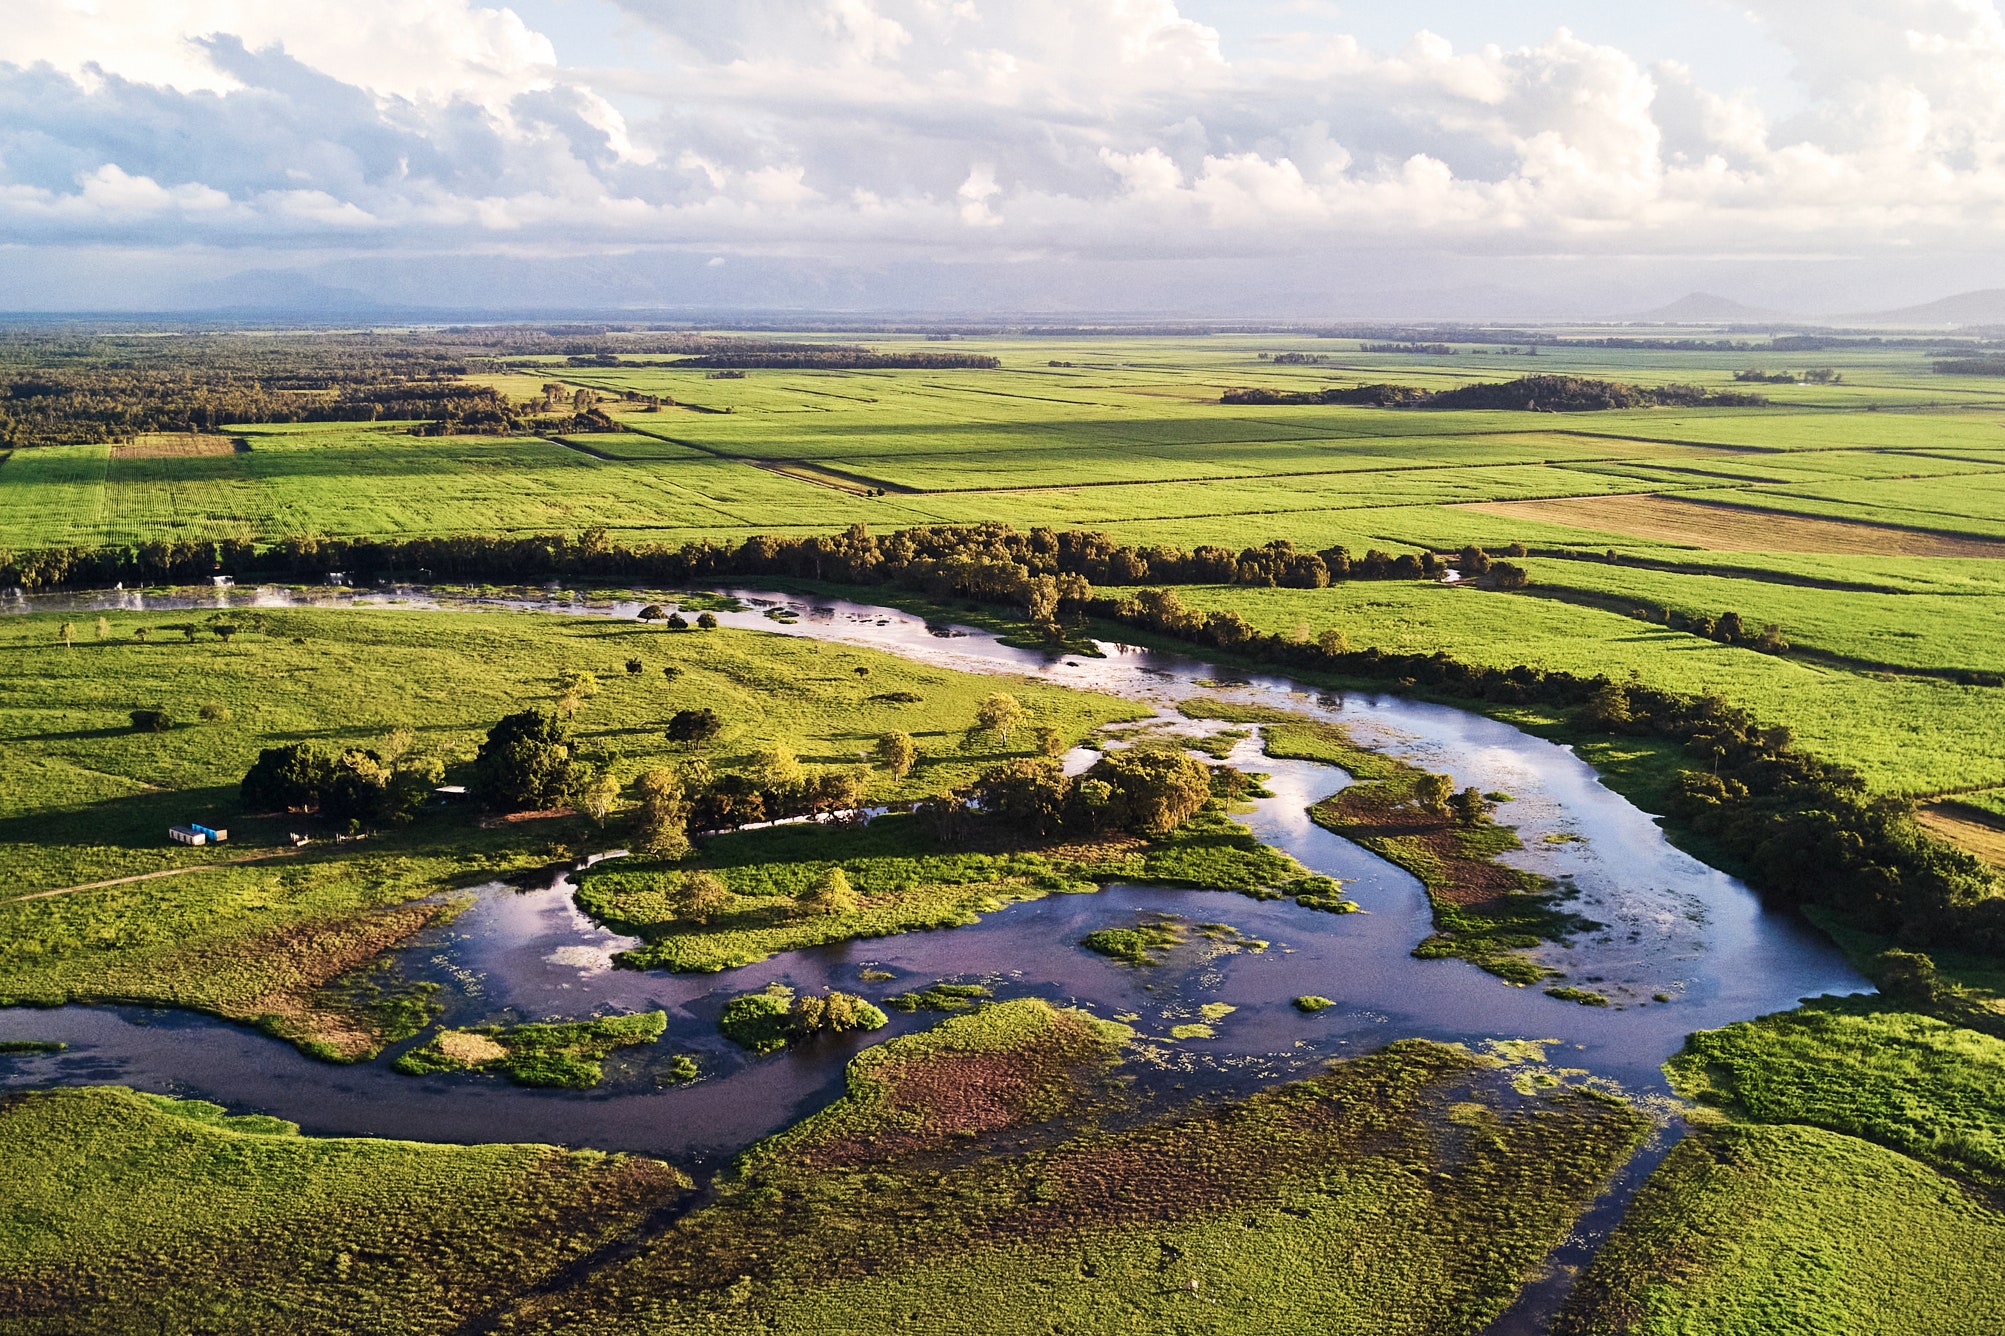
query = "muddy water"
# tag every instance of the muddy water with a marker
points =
(1675, 930)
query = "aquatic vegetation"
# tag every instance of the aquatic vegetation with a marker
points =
(940, 997)
(1144, 944)
(770, 1020)
(569, 1054)
(977, 1158)
(1586, 997)
(1312, 1002)
(905, 880)
(1484, 911)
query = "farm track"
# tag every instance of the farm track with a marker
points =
(149, 876)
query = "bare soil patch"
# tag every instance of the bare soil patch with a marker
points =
(173, 445)
(1965, 828)
(1721, 527)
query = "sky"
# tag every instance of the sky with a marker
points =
(1298, 159)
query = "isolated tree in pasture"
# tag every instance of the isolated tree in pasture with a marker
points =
(1049, 740)
(635, 667)
(999, 713)
(653, 612)
(142, 634)
(67, 633)
(104, 628)
(897, 753)
(706, 621)
(694, 728)
(1333, 641)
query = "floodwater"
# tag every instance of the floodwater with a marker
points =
(1684, 947)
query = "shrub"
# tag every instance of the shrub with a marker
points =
(286, 777)
(759, 1021)
(693, 728)
(706, 621)
(213, 713)
(832, 894)
(150, 721)
(699, 897)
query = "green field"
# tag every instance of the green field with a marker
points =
(1129, 438)
(1853, 1191)
(87, 799)
(125, 1212)
(1035, 1165)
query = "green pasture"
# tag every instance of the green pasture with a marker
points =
(126, 1212)
(86, 799)
(1129, 437)
(1853, 1191)
(1905, 734)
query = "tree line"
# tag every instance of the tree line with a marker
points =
(1532, 394)
(1802, 829)
(1044, 571)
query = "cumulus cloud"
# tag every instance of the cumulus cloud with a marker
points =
(976, 128)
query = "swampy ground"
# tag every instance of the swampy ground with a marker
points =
(1835, 1168)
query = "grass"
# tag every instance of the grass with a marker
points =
(85, 799)
(1914, 1084)
(906, 882)
(569, 1055)
(943, 996)
(124, 1212)
(1904, 734)
(1853, 1187)
(1751, 1231)
(999, 1160)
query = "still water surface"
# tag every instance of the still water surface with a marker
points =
(1675, 929)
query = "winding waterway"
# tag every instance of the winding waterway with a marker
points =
(1684, 946)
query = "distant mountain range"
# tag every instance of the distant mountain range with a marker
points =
(1705, 308)
(1986, 307)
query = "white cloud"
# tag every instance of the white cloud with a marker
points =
(978, 128)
